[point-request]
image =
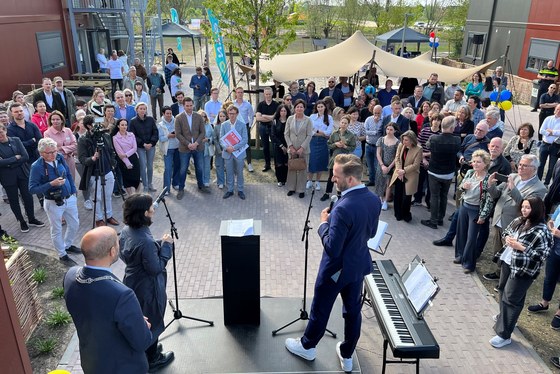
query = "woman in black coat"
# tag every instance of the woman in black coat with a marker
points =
(279, 144)
(145, 273)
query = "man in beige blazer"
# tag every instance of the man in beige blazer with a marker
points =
(189, 130)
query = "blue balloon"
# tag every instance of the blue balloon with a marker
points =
(370, 90)
(431, 44)
(494, 96)
(505, 95)
(436, 45)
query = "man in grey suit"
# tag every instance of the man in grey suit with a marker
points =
(234, 164)
(189, 130)
(510, 195)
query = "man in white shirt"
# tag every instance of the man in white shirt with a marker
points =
(451, 106)
(213, 106)
(550, 132)
(116, 72)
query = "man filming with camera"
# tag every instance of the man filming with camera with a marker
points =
(96, 153)
(51, 177)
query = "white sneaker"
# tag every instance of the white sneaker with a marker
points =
(495, 317)
(345, 363)
(498, 342)
(295, 347)
(88, 205)
(221, 186)
(384, 206)
(317, 186)
(250, 168)
(308, 185)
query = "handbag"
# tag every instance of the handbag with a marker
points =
(296, 164)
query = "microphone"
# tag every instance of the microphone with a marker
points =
(334, 199)
(160, 197)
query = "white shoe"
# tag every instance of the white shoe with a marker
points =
(176, 188)
(495, 317)
(221, 186)
(279, 184)
(295, 347)
(498, 342)
(250, 168)
(345, 363)
(308, 185)
(317, 186)
(88, 205)
(384, 206)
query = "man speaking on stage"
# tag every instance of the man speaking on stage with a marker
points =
(344, 232)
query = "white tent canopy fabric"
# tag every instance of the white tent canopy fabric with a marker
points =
(347, 57)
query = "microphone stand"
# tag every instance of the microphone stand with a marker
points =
(177, 314)
(304, 315)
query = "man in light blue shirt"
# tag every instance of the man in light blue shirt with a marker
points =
(246, 115)
(234, 164)
(550, 132)
(213, 106)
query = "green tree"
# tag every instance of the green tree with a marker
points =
(322, 16)
(455, 25)
(186, 9)
(393, 17)
(352, 16)
(253, 27)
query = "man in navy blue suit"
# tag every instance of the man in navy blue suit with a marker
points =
(111, 328)
(346, 260)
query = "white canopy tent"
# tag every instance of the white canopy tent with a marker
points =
(347, 57)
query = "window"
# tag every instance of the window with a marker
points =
(540, 52)
(51, 51)
(475, 50)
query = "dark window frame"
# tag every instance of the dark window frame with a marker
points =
(48, 40)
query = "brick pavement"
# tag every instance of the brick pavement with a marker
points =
(461, 318)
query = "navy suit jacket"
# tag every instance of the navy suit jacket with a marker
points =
(175, 109)
(337, 96)
(351, 223)
(111, 328)
(403, 124)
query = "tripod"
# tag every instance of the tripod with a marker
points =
(100, 146)
(177, 314)
(304, 315)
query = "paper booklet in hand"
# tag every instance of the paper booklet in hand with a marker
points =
(232, 138)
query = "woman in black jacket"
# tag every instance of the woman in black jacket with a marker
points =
(279, 144)
(145, 273)
(14, 177)
(146, 132)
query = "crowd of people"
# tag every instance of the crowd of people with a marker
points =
(413, 144)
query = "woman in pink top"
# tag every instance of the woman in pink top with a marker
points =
(127, 160)
(41, 117)
(64, 138)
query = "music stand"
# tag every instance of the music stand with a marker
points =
(374, 244)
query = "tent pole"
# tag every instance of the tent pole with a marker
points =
(232, 66)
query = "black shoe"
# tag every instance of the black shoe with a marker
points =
(456, 260)
(440, 223)
(227, 195)
(325, 197)
(67, 261)
(534, 110)
(537, 308)
(73, 249)
(443, 243)
(491, 276)
(428, 223)
(180, 194)
(35, 222)
(241, 195)
(301, 195)
(266, 168)
(162, 361)
(290, 193)
(555, 361)
(116, 194)
(204, 189)
(23, 226)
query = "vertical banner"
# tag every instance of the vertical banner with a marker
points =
(175, 19)
(219, 47)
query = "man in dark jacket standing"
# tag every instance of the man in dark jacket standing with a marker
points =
(333, 92)
(111, 328)
(156, 83)
(441, 170)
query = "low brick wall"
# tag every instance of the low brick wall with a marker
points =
(521, 88)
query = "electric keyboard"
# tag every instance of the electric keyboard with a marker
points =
(403, 329)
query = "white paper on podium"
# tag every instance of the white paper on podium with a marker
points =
(240, 227)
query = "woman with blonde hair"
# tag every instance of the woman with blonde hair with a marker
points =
(65, 140)
(28, 110)
(96, 106)
(406, 174)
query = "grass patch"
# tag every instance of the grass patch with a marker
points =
(58, 317)
(45, 346)
(39, 275)
(57, 293)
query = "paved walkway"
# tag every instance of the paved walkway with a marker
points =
(460, 319)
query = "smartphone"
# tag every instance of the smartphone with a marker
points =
(502, 177)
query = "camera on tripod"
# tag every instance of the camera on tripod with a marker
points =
(97, 132)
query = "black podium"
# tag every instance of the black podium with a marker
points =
(241, 274)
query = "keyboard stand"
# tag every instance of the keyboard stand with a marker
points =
(401, 361)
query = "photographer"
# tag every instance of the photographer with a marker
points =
(51, 177)
(96, 153)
